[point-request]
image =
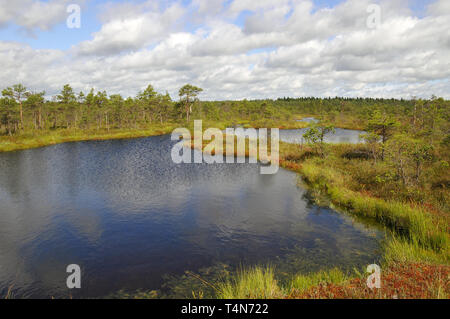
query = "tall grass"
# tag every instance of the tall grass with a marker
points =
(303, 282)
(39, 138)
(251, 283)
(9, 293)
(396, 249)
(409, 222)
(27, 141)
(417, 236)
(260, 283)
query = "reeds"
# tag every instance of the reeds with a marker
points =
(254, 283)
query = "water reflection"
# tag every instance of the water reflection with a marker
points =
(295, 136)
(340, 135)
(308, 120)
(127, 215)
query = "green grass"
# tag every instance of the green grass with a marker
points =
(413, 223)
(27, 140)
(260, 283)
(417, 236)
(302, 282)
(397, 249)
(37, 138)
(251, 283)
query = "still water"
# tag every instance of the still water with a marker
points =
(340, 135)
(295, 136)
(128, 216)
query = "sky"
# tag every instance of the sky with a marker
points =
(233, 49)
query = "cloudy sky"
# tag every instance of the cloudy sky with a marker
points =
(233, 49)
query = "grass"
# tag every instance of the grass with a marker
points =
(9, 294)
(418, 246)
(397, 249)
(35, 138)
(302, 282)
(420, 230)
(38, 138)
(399, 280)
(417, 237)
(251, 283)
(412, 222)
(28, 140)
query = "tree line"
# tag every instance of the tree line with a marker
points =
(22, 109)
(409, 144)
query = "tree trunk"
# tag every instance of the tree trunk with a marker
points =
(21, 115)
(40, 118)
(187, 111)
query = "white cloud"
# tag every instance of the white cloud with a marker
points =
(33, 15)
(313, 51)
(439, 8)
(131, 29)
(208, 7)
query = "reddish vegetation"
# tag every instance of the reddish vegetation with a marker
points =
(402, 281)
(290, 165)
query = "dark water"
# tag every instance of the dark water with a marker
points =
(127, 215)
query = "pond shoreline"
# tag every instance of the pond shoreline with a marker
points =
(416, 241)
(425, 245)
(48, 140)
(24, 142)
(128, 197)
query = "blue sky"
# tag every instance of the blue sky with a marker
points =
(59, 37)
(232, 48)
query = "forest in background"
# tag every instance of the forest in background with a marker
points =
(22, 110)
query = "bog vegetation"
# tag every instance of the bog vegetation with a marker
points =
(399, 177)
